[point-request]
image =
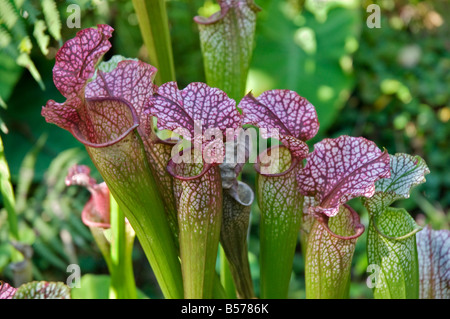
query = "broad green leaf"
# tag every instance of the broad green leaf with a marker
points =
(329, 254)
(297, 51)
(280, 203)
(42, 290)
(227, 41)
(433, 247)
(391, 249)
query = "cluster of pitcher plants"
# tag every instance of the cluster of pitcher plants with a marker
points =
(171, 159)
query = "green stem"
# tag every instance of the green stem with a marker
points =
(199, 219)
(233, 237)
(154, 25)
(281, 210)
(139, 199)
(225, 275)
(123, 285)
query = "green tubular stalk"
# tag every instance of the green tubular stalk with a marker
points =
(123, 285)
(199, 220)
(281, 205)
(218, 290)
(227, 40)
(226, 278)
(330, 248)
(154, 26)
(137, 195)
(233, 237)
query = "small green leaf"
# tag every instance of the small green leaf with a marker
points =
(39, 34)
(42, 290)
(8, 14)
(52, 18)
(24, 60)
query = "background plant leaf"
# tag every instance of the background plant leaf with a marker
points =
(306, 53)
(433, 247)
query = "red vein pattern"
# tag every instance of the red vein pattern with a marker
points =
(341, 169)
(104, 116)
(285, 110)
(197, 105)
(6, 291)
(76, 60)
(131, 81)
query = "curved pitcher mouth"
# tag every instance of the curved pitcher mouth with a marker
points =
(81, 137)
(173, 166)
(259, 165)
(359, 228)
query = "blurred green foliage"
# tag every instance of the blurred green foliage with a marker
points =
(390, 85)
